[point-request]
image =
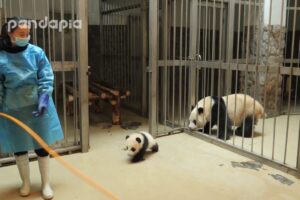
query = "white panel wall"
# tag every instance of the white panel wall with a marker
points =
(277, 12)
(26, 9)
(94, 12)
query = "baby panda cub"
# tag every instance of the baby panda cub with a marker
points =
(138, 143)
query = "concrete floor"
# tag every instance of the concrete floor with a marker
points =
(265, 136)
(184, 168)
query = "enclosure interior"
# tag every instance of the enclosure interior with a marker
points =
(205, 47)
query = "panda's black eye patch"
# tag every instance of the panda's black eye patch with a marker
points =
(195, 122)
(200, 111)
(132, 149)
(138, 140)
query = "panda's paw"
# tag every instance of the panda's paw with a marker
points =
(137, 160)
(227, 137)
(155, 148)
(222, 137)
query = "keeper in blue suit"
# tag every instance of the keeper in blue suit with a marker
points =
(26, 86)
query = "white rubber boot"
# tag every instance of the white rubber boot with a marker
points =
(22, 162)
(47, 191)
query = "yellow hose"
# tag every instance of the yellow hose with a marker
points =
(55, 155)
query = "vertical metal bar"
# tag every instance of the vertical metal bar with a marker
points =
(293, 45)
(277, 85)
(185, 109)
(75, 86)
(117, 49)
(204, 68)
(63, 72)
(243, 27)
(144, 56)
(5, 10)
(192, 51)
(49, 33)
(205, 39)
(237, 62)
(110, 44)
(230, 36)
(164, 57)
(285, 51)
(82, 13)
(21, 7)
(246, 72)
(201, 32)
(53, 34)
(170, 10)
(255, 75)
(35, 17)
(298, 152)
(128, 52)
(174, 58)
(153, 56)
(297, 79)
(139, 55)
(220, 59)
(44, 38)
(208, 43)
(134, 70)
(290, 85)
(112, 25)
(199, 51)
(265, 93)
(180, 58)
(2, 12)
(54, 54)
(214, 34)
(10, 8)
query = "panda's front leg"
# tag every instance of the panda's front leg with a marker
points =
(137, 159)
(206, 128)
(139, 156)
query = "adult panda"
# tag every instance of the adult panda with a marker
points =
(242, 110)
(205, 115)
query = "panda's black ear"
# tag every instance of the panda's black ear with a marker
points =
(138, 140)
(127, 136)
(200, 111)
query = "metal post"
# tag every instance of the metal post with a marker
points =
(230, 36)
(192, 52)
(298, 154)
(144, 55)
(164, 76)
(153, 55)
(82, 12)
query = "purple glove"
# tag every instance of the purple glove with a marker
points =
(42, 106)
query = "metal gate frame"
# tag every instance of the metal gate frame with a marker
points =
(155, 63)
(82, 10)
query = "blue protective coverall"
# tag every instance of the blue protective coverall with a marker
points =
(23, 77)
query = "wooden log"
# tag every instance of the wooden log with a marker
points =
(112, 91)
(121, 91)
(106, 96)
